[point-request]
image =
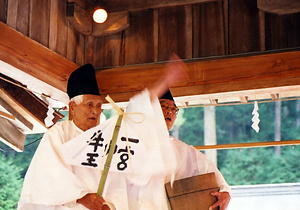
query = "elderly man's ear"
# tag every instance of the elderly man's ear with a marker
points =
(71, 108)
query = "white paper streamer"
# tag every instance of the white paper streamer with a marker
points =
(255, 118)
(50, 116)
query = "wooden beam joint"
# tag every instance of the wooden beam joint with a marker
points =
(275, 96)
(244, 99)
(80, 19)
(213, 101)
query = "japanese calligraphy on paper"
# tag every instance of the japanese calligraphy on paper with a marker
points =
(90, 149)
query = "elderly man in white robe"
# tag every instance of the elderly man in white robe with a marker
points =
(193, 162)
(50, 183)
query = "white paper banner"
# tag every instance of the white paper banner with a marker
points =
(148, 152)
(90, 149)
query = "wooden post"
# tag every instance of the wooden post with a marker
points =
(210, 136)
(277, 125)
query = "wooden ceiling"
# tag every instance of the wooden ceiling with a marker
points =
(236, 50)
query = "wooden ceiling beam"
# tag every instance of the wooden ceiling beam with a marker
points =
(24, 100)
(6, 115)
(280, 7)
(14, 112)
(11, 135)
(136, 5)
(207, 76)
(34, 59)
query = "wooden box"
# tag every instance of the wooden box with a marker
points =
(193, 193)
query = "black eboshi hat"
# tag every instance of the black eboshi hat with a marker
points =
(167, 95)
(83, 81)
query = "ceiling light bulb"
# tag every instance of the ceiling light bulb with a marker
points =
(100, 16)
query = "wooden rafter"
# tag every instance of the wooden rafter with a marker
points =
(135, 5)
(24, 101)
(13, 111)
(280, 7)
(206, 76)
(6, 115)
(35, 59)
(11, 135)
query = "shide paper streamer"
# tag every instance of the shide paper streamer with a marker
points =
(48, 120)
(255, 118)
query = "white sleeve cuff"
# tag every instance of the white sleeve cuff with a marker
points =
(110, 205)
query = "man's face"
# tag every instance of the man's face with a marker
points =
(86, 114)
(169, 110)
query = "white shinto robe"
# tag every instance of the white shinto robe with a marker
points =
(51, 184)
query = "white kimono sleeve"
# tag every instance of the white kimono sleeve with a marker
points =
(49, 182)
(193, 162)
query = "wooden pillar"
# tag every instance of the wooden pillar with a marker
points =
(277, 125)
(210, 134)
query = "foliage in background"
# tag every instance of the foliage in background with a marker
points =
(10, 183)
(256, 165)
(22, 159)
(261, 166)
(233, 124)
(192, 130)
(180, 120)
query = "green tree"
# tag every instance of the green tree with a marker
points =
(10, 183)
(261, 166)
(192, 131)
(23, 159)
(255, 165)
(290, 120)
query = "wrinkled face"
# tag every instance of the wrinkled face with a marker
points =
(169, 110)
(86, 114)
